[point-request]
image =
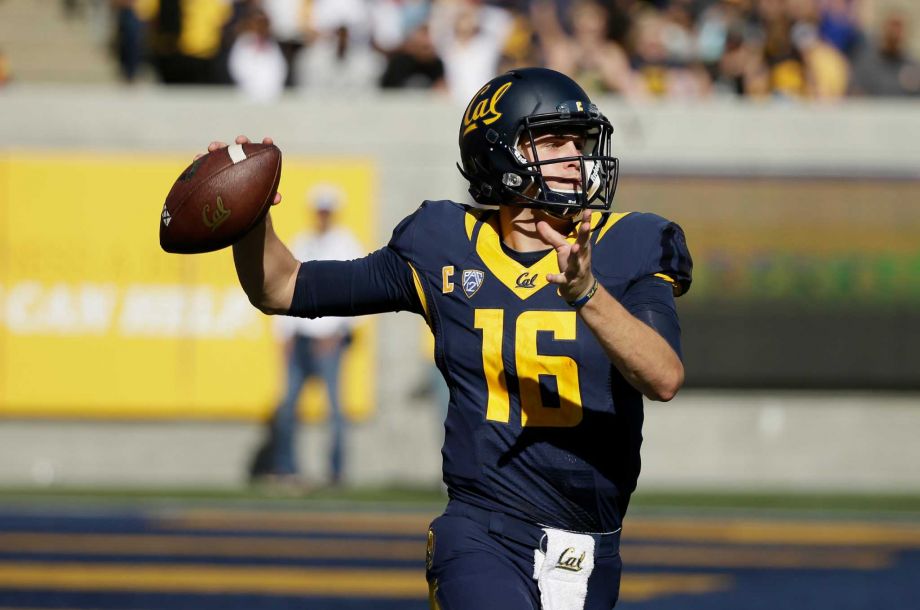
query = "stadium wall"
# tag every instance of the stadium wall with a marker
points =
(802, 218)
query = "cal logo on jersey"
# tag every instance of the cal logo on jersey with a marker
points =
(472, 281)
(526, 280)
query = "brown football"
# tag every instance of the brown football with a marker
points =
(219, 198)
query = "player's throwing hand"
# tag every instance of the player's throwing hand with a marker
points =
(575, 279)
(217, 145)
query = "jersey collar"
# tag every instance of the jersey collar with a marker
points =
(522, 281)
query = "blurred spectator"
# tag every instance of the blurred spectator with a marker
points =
(784, 62)
(826, 68)
(685, 49)
(392, 21)
(712, 31)
(469, 38)
(312, 348)
(884, 67)
(186, 39)
(415, 64)
(588, 55)
(520, 45)
(839, 24)
(288, 19)
(664, 56)
(256, 63)
(129, 38)
(340, 55)
(238, 11)
(724, 45)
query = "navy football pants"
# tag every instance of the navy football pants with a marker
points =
(473, 568)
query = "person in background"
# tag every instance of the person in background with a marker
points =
(839, 24)
(826, 68)
(589, 53)
(312, 348)
(288, 20)
(185, 40)
(469, 37)
(340, 56)
(662, 55)
(415, 64)
(392, 21)
(256, 63)
(884, 66)
(128, 39)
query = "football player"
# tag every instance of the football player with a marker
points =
(552, 317)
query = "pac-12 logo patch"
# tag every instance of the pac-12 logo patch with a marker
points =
(472, 281)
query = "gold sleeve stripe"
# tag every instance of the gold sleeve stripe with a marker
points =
(666, 278)
(420, 290)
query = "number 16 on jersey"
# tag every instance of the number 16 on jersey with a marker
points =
(530, 367)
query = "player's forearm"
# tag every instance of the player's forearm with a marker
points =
(643, 357)
(266, 268)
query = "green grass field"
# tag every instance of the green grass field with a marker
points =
(429, 499)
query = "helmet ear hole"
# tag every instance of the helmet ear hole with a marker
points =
(512, 180)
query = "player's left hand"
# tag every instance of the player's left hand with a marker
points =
(574, 259)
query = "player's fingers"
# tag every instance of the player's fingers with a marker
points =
(277, 199)
(551, 236)
(573, 271)
(556, 278)
(267, 140)
(584, 227)
(216, 145)
(584, 252)
(574, 261)
(241, 140)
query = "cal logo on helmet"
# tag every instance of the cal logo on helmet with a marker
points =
(483, 108)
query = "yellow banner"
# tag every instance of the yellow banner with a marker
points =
(97, 321)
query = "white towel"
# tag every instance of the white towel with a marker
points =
(562, 572)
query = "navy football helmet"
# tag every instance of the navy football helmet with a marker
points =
(506, 115)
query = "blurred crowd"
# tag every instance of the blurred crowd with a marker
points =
(638, 49)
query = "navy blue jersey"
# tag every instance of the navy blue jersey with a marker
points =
(540, 424)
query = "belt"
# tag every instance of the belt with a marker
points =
(529, 534)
